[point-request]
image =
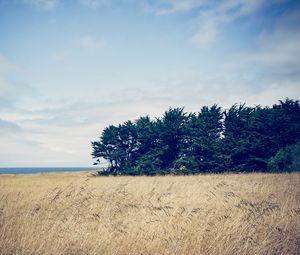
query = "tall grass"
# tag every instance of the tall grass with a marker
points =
(75, 213)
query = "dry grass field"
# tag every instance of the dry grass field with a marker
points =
(76, 213)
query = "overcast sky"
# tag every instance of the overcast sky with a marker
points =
(70, 68)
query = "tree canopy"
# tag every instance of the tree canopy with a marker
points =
(239, 139)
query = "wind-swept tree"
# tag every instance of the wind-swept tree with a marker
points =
(239, 139)
(148, 161)
(170, 128)
(240, 143)
(107, 148)
(201, 141)
(118, 145)
(285, 123)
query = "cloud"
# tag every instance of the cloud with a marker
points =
(52, 21)
(49, 130)
(58, 135)
(267, 71)
(23, 152)
(6, 65)
(12, 90)
(8, 127)
(59, 56)
(211, 16)
(92, 43)
(206, 34)
(218, 16)
(43, 4)
(165, 7)
(93, 4)
(278, 50)
(273, 61)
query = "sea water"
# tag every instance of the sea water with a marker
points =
(32, 170)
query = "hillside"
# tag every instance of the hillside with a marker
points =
(77, 213)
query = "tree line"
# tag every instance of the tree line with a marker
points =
(239, 139)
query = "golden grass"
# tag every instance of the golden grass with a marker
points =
(75, 213)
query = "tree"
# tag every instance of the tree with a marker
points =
(239, 139)
(118, 145)
(107, 148)
(148, 161)
(127, 147)
(170, 130)
(241, 143)
(201, 142)
(285, 123)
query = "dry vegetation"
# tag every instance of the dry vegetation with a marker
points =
(75, 213)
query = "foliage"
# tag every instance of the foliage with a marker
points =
(286, 159)
(240, 138)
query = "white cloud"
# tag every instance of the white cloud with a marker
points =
(276, 53)
(90, 42)
(59, 56)
(12, 91)
(165, 7)
(8, 126)
(59, 131)
(266, 72)
(206, 34)
(211, 15)
(43, 4)
(93, 4)
(52, 21)
(216, 17)
(6, 65)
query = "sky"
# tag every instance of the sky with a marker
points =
(70, 68)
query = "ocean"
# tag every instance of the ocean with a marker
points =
(32, 170)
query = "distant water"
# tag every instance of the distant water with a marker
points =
(32, 170)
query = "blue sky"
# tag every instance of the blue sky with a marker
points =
(70, 68)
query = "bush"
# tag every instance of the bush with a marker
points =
(286, 159)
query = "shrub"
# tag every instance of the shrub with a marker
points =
(286, 159)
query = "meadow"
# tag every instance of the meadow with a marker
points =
(78, 213)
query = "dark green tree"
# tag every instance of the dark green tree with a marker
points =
(107, 149)
(200, 146)
(170, 130)
(118, 145)
(285, 128)
(128, 147)
(239, 139)
(148, 161)
(241, 143)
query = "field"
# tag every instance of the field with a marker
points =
(77, 213)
